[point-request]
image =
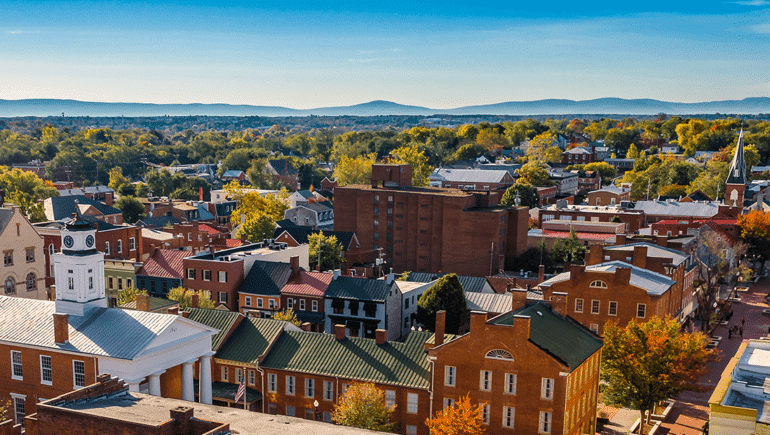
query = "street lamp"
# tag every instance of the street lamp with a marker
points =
(315, 414)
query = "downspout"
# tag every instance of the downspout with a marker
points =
(432, 361)
(262, 375)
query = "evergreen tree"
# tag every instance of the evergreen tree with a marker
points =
(446, 294)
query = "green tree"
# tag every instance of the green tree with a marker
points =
(132, 209)
(288, 315)
(24, 188)
(467, 152)
(539, 147)
(446, 294)
(117, 180)
(534, 174)
(606, 170)
(355, 170)
(526, 193)
(412, 155)
(633, 152)
(363, 405)
(129, 294)
(330, 251)
(238, 159)
(258, 226)
(569, 249)
(645, 363)
(184, 298)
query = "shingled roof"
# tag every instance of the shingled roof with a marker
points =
(165, 263)
(266, 278)
(402, 364)
(563, 338)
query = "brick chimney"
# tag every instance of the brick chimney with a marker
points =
(478, 319)
(440, 327)
(518, 298)
(595, 255)
(61, 332)
(521, 325)
(306, 326)
(195, 303)
(339, 332)
(623, 274)
(381, 336)
(212, 250)
(541, 274)
(661, 241)
(620, 239)
(182, 416)
(559, 303)
(576, 271)
(294, 262)
(143, 302)
(639, 257)
(173, 310)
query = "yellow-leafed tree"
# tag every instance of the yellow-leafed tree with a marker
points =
(355, 170)
(363, 405)
(462, 418)
(412, 155)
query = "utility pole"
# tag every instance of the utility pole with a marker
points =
(320, 246)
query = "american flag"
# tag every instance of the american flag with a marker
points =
(241, 391)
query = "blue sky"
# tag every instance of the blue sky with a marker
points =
(308, 54)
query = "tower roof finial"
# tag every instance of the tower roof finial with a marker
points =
(737, 173)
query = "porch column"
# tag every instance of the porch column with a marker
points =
(188, 390)
(205, 379)
(155, 383)
(133, 385)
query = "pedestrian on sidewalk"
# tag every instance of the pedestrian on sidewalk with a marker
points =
(741, 331)
(729, 333)
(743, 321)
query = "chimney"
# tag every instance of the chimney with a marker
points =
(620, 239)
(294, 262)
(182, 416)
(661, 241)
(306, 326)
(440, 327)
(521, 325)
(195, 300)
(61, 325)
(559, 303)
(339, 332)
(173, 310)
(639, 257)
(143, 302)
(243, 237)
(623, 274)
(389, 278)
(336, 273)
(96, 225)
(185, 314)
(212, 250)
(595, 255)
(155, 250)
(518, 298)
(576, 271)
(478, 319)
(381, 336)
(541, 274)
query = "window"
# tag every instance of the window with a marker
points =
(390, 398)
(225, 373)
(485, 381)
(595, 306)
(31, 282)
(508, 413)
(46, 370)
(8, 258)
(290, 385)
(91, 282)
(79, 373)
(18, 408)
(406, 303)
(499, 354)
(247, 301)
(448, 403)
(290, 303)
(449, 375)
(545, 422)
(109, 280)
(328, 390)
(120, 246)
(272, 382)
(309, 387)
(272, 408)
(376, 224)
(546, 391)
(51, 249)
(222, 297)
(302, 304)
(594, 328)
(252, 377)
(613, 310)
(189, 237)
(107, 248)
(16, 372)
(411, 403)
(598, 284)
(71, 282)
(239, 375)
(328, 418)
(411, 429)
(132, 244)
(190, 273)
(259, 302)
(271, 304)
(315, 305)
(207, 275)
(10, 286)
(578, 305)
(376, 211)
(641, 310)
(485, 413)
(290, 411)
(222, 276)
(30, 255)
(510, 383)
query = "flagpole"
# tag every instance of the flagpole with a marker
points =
(244, 387)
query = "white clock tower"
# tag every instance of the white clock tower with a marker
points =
(78, 269)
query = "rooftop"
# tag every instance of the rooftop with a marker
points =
(266, 278)
(308, 283)
(654, 283)
(653, 250)
(362, 289)
(471, 284)
(469, 175)
(165, 263)
(221, 320)
(250, 340)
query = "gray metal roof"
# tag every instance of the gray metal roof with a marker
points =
(84, 190)
(654, 283)
(673, 208)
(653, 250)
(611, 189)
(5, 217)
(471, 284)
(489, 302)
(101, 332)
(469, 175)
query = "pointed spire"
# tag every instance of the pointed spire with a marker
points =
(737, 174)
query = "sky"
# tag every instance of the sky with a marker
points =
(309, 54)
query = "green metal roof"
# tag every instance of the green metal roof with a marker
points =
(396, 363)
(155, 304)
(362, 289)
(250, 340)
(221, 320)
(563, 338)
(266, 278)
(227, 391)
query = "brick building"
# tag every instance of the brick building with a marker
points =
(298, 235)
(430, 229)
(197, 236)
(609, 195)
(536, 370)
(162, 271)
(578, 156)
(62, 207)
(633, 219)
(588, 181)
(281, 170)
(260, 292)
(97, 193)
(306, 291)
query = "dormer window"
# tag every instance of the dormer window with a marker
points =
(598, 284)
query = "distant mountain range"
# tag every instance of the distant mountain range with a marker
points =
(54, 107)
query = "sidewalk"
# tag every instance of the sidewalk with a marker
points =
(621, 422)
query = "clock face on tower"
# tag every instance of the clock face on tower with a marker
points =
(68, 241)
(90, 241)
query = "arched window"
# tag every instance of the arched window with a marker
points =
(10, 286)
(499, 354)
(31, 282)
(51, 249)
(598, 284)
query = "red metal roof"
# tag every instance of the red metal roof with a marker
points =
(584, 236)
(233, 243)
(166, 263)
(212, 231)
(309, 284)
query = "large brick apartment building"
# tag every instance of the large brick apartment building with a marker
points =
(428, 229)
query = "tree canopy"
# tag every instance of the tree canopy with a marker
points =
(184, 298)
(446, 294)
(132, 209)
(462, 418)
(330, 251)
(526, 194)
(363, 405)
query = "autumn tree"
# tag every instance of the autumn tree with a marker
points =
(462, 418)
(633, 152)
(467, 152)
(645, 363)
(363, 406)
(288, 315)
(446, 294)
(542, 149)
(129, 294)
(755, 229)
(535, 174)
(325, 251)
(606, 170)
(412, 155)
(117, 180)
(355, 170)
(24, 188)
(184, 298)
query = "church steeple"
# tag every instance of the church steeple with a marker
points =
(736, 177)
